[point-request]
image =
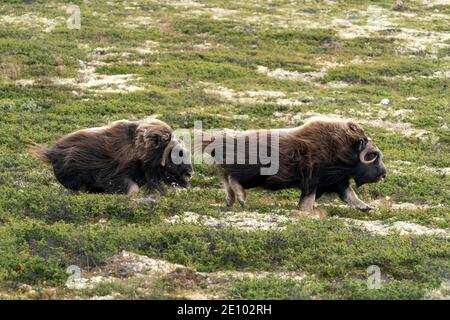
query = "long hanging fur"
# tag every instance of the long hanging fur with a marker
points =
(113, 159)
(317, 157)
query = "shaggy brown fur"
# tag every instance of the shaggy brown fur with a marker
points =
(118, 158)
(320, 156)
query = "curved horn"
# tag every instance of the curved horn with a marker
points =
(369, 148)
(167, 151)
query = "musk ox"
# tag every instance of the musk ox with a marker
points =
(118, 158)
(321, 156)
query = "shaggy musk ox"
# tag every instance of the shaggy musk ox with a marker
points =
(320, 156)
(118, 158)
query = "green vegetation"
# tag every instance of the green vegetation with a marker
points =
(202, 60)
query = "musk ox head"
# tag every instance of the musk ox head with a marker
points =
(345, 145)
(370, 167)
(176, 163)
(149, 135)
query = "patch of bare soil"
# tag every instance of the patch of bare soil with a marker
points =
(32, 21)
(89, 79)
(243, 220)
(290, 75)
(282, 74)
(127, 264)
(180, 281)
(381, 203)
(403, 227)
(399, 166)
(251, 96)
(368, 22)
(441, 293)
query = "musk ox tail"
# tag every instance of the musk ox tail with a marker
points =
(39, 151)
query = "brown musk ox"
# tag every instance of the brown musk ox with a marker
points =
(118, 158)
(321, 156)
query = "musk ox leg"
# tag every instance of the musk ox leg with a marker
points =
(231, 196)
(117, 185)
(154, 183)
(79, 191)
(161, 188)
(133, 188)
(349, 196)
(307, 202)
(238, 190)
(306, 205)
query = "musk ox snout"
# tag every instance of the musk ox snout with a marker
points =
(371, 168)
(176, 160)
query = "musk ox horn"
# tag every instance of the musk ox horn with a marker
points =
(167, 151)
(370, 147)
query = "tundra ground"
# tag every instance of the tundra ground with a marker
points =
(237, 65)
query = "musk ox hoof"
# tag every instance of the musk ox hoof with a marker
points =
(365, 208)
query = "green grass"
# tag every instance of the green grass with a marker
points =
(44, 228)
(312, 288)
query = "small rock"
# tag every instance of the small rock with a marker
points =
(385, 102)
(400, 6)
(99, 52)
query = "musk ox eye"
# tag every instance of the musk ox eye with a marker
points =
(371, 156)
